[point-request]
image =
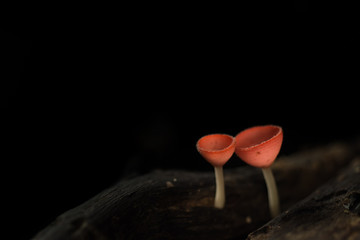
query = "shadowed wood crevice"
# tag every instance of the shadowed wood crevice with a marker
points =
(331, 212)
(179, 204)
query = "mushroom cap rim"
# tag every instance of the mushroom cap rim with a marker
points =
(216, 151)
(263, 142)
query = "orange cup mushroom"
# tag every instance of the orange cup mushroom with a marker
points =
(217, 149)
(259, 146)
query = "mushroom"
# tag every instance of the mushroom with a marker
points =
(259, 146)
(217, 149)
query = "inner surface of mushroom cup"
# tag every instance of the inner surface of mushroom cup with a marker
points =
(216, 148)
(256, 135)
(259, 146)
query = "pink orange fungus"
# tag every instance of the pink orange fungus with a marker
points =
(216, 148)
(259, 146)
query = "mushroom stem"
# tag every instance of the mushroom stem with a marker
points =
(220, 188)
(273, 195)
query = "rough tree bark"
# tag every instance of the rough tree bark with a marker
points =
(331, 212)
(179, 204)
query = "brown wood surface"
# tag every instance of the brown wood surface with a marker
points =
(331, 212)
(179, 204)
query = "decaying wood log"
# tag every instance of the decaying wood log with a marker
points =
(331, 212)
(179, 204)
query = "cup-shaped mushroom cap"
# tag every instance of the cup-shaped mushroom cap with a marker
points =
(217, 149)
(259, 146)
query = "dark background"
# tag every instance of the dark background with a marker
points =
(88, 104)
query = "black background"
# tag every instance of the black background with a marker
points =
(86, 105)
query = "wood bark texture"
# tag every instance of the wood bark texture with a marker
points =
(318, 201)
(331, 212)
